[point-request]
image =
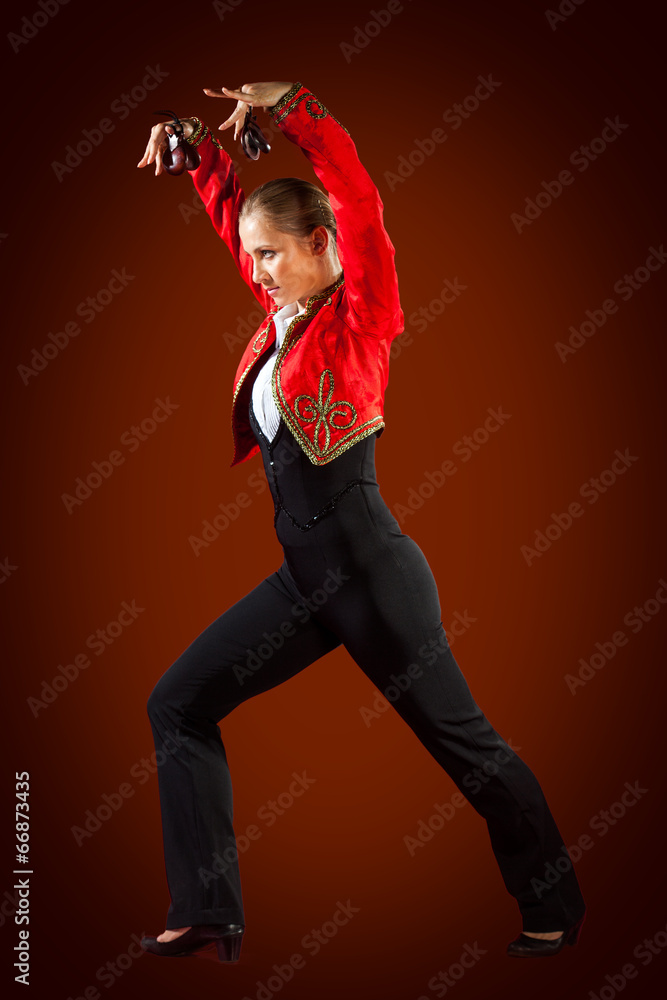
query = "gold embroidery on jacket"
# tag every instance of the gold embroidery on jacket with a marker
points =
(324, 411)
(260, 339)
(279, 112)
(240, 382)
(236, 392)
(327, 413)
(305, 315)
(317, 455)
(285, 99)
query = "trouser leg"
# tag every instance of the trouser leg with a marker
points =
(236, 657)
(525, 839)
(392, 621)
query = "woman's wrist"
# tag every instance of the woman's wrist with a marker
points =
(198, 130)
(201, 132)
(285, 99)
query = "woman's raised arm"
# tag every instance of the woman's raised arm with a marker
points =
(365, 250)
(218, 186)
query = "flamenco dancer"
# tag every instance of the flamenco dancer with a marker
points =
(308, 395)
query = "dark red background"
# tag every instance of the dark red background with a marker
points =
(494, 346)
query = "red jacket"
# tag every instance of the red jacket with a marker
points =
(332, 369)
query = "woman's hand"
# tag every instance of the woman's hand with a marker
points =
(256, 95)
(159, 141)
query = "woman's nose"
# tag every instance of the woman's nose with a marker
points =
(259, 273)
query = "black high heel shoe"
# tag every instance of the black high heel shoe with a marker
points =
(530, 947)
(226, 938)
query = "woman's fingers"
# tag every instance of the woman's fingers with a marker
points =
(144, 159)
(156, 144)
(232, 118)
(239, 112)
(226, 92)
(236, 118)
(148, 156)
(240, 95)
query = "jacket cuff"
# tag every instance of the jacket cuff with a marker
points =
(200, 133)
(291, 101)
(285, 100)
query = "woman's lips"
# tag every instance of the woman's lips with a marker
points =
(272, 290)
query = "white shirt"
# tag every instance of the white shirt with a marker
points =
(263, 403)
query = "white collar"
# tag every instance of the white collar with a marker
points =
(291, 309)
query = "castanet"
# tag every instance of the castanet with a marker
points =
(179, 154)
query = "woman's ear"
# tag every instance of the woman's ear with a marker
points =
(321, 239)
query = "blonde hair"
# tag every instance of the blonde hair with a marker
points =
(291, 205)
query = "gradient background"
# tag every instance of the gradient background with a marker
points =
(164, 336)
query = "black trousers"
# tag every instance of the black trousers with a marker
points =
(349, 576)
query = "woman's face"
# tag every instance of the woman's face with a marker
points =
(290, 271)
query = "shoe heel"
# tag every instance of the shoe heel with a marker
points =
(574, 932)
(229, 948)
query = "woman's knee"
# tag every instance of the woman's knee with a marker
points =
(163, 701)
(178, 700)
(154, 703)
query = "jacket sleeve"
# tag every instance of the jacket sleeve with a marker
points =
(364, 248)
(218, 185)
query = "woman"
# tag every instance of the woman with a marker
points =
(308, 395)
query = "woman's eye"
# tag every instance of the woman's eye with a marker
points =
(268, 251)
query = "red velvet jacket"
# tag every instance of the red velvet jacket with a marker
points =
(331, 371)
